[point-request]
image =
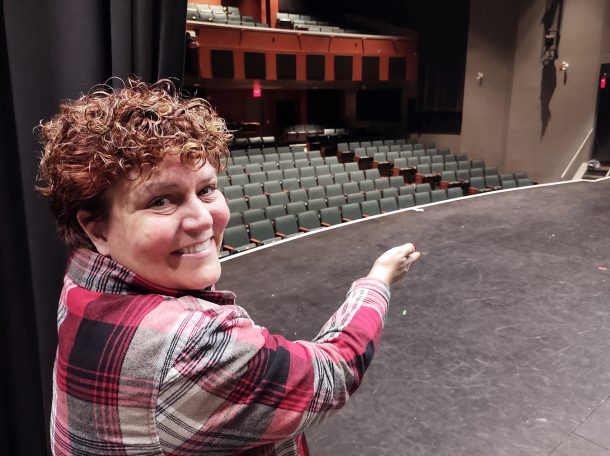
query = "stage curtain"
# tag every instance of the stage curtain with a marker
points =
(52, 50)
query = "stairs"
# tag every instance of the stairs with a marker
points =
(597, 173)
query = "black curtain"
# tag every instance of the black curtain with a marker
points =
(52, 50)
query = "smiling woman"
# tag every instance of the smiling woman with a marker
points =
(168, 228)
(151, 359)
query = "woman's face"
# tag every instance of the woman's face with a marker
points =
(168, 228)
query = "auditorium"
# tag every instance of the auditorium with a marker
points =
(423, 181)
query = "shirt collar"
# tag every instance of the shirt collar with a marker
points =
(101, 274)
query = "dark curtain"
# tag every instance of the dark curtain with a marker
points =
(52, 50)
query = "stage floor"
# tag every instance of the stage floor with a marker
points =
(498, 341)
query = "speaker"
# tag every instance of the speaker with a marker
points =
(286, 66)
(370, 68)
(254, 65)
(315, 67)
(222, 64)
(343, 67)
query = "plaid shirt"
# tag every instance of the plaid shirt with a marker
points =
(142, 370)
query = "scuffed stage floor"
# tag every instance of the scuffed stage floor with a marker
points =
(498, 341)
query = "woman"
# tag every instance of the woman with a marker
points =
(151, 358)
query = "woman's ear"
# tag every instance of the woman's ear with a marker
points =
(95, 229)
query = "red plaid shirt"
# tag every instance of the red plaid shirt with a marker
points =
(142, 370)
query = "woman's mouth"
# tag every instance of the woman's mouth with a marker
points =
(195, 248)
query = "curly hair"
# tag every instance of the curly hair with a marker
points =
(110, 134)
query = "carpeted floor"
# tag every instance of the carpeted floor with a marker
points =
(498, 341)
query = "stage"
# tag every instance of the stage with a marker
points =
(496, 343)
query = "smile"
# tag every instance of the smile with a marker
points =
(202, 246)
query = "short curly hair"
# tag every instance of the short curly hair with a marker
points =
(109, 134)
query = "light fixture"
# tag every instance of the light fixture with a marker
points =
(564, 66)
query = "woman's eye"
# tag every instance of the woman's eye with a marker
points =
(160, 201)
(207, 190)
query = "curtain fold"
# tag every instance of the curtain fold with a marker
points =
(52, 50)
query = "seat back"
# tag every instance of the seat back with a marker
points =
(330, 215)
(405, 201)
(262, 230)
(397, 181)
(422, 198)
(326, 179)
(253, 215)
(338, 201)
(308, 220)
(272, 187)
(438, 195)
(370, 208)
(334, 190)
(381, 183)
(315, 204)
(454, 192)
(236, 237)
(316, 192)
(237, 204)
(295, 207)
(258, 202)
(233, 191)
(477, 182)
(300, 194)
(253, 189)
(278, 198)
(290, 184)
(286, 224)
(275, 210)
(351, 211)
(235, 219)
(366, 185)
(388, 204)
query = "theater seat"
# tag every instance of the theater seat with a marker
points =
(330, 216)
(351, 212)
(286, 226)
(261, 232)
(308, 221)
(236, 239)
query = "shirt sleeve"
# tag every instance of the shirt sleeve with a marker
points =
(232, 385)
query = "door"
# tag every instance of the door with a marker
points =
(601, 146)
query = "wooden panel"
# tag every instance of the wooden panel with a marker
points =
(378, 46)
(219, 37)
(384, 62)
(346, 45)
(238, 64)
(269, 41)
(314, 44)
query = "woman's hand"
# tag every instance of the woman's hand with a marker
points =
(394, 263)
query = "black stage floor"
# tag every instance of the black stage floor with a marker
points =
(498, 341)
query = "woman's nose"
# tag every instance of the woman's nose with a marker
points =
(197, 215)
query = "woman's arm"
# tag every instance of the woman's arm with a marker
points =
(234, 385)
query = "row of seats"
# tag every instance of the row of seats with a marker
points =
(292, 21)
(261, 226)
(302, 176)
(323, 186)
(253, 142)
(220, 14)
(332, 195)
(414, 145)
(269, 154)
